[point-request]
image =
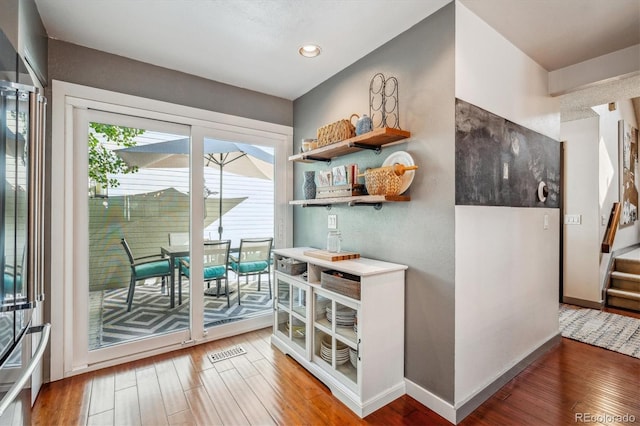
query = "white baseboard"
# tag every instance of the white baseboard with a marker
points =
(431, 401)
(456, 414)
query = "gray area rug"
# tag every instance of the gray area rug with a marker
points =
(610, 331)
(150, 314)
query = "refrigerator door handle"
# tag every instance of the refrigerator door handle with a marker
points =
(35, 217)
(26, 374)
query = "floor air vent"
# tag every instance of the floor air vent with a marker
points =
(227, 353)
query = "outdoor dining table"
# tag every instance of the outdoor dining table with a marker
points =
(174, 252)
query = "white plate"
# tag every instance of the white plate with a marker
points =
(404, 158)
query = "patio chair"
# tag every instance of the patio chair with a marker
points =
(216, 264)
(254, 258)
(144, 267)
(179, 239)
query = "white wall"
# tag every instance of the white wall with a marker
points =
(609, 186)
(612, 66)
(582, 242)
(506, 289)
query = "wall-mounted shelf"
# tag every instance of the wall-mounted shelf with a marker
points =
(374, 140)
(367, 200)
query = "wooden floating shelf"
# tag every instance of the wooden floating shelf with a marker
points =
(375, 200)
(374, 139)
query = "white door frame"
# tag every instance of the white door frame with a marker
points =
(67, 98)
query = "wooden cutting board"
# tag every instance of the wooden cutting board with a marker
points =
(331, 257)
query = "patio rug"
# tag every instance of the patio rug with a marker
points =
(610, 331)
(150, 313)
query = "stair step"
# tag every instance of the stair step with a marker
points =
(619, 302)
(625, 281)
(630, 266)
(623, 299)
(625, 276)
(633, 295)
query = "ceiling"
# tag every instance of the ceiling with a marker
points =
(254, 43)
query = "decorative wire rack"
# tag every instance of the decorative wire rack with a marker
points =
(383, 101)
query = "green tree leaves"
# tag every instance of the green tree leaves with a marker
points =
(102, 160)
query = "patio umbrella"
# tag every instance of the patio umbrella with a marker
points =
(237, 158)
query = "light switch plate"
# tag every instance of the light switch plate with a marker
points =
(332, 222)
(572, 219)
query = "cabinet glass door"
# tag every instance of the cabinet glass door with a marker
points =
(291, 312)
(335, 346)
(282, 306)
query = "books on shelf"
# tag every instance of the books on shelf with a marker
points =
(339, 175)
(340, 181)
(340, 191)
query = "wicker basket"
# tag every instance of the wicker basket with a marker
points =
(291, 266)
(336, 132)
(341, 282)
(382, 181)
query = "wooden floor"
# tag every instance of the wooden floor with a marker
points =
(266, 387)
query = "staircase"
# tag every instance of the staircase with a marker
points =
(624, 287)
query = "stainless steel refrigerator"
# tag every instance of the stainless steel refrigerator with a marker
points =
(22, 129)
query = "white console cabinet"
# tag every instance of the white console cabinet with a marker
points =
(362, 358)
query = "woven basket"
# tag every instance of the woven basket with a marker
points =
(382, 181)
(336, 132)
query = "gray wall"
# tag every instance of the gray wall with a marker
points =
(419, 233)
(89, 67)
(20, 21)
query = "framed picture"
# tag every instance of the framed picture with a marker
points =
(325, 178)
(628, 153)
(339, 175)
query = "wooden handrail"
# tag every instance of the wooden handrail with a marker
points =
(612, 227)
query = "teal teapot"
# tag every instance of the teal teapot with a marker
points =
(364, 125)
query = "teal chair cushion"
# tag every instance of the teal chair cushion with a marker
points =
(210, 272)
(8, 283)
(248, 267)
(152, 269)
(176, 261)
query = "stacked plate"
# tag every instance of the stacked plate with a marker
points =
(353, 357)
(342, 351)
(345, 317)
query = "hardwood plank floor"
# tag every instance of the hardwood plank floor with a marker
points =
(266, 387)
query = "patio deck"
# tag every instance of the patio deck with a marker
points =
(110, 323)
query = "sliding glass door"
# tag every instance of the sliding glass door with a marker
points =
(161, 213)
(134, 209)
(133, 177)
(238, 172)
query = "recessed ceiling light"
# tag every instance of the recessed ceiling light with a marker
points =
(309, 50)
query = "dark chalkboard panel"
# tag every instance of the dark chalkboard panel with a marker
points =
(500, 163)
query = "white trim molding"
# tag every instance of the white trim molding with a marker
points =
(67, 99)
(431, 401)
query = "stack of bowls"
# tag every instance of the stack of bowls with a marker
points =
(342, 351)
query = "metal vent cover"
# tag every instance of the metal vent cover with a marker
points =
(226, 354)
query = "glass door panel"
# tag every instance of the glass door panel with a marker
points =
(335, 346)
(238, 203)
(138, 231)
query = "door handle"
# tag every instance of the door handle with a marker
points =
(26, 374)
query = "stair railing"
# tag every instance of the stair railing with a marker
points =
(612, 227)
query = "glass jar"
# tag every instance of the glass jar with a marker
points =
(334, 238)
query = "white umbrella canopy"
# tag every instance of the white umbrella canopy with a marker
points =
(237, 158)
